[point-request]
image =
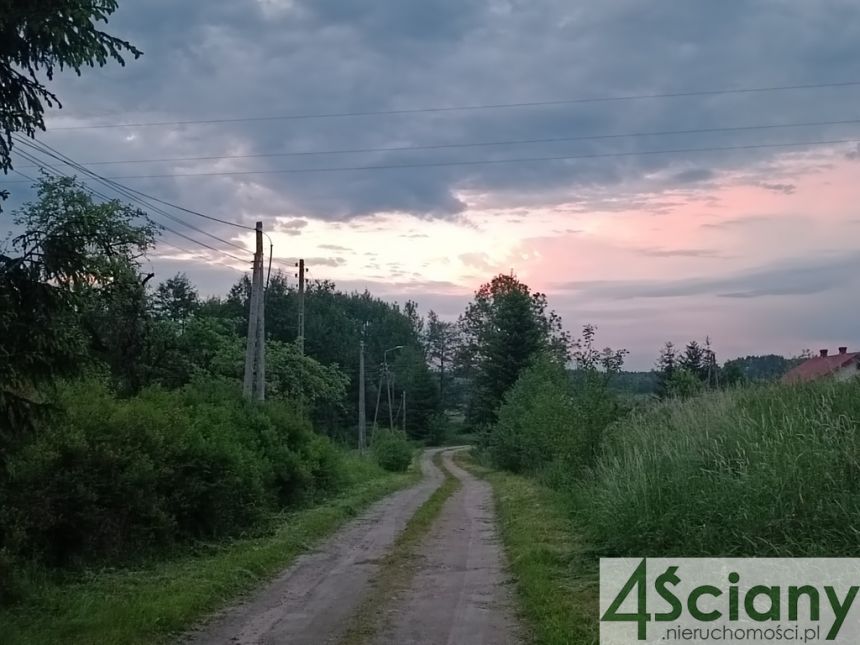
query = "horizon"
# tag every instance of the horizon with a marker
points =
(655, 218)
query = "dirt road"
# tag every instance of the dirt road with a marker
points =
(458, 595)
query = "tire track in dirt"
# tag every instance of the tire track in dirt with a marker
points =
(459, 593)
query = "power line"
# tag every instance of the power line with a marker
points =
(48, 150)
(69, 161)
(477, 144)
(96, 193)
(178, 248)
(28, 177)
(485, 162)
(462, 108)
(126, 192)
(190, 211)
(52, 170)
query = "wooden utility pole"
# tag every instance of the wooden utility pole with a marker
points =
(362, 414)
(404, 411)
(301, 277)
(253, 384)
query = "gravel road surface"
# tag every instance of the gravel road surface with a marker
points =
(460, 594)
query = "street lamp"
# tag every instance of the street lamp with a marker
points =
(390, 349)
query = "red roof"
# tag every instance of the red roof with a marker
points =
(819, 366)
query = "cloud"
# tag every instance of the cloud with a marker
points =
(785, 189)
(479, 261)
(291, 227)
(220, 59)
(246, 58)
(740, 221)
(325, 261)
(787, 277)
(693, 176)
(681, 253)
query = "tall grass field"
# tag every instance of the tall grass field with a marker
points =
(765, 471)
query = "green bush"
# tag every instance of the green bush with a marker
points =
(552, 424)
(392, 450)
(536, 422)
(113, 477)
(765, 471)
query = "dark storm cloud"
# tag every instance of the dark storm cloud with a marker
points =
(795, 277)
(225, 58)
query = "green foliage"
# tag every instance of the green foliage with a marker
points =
(112, 477)
(686, 374)
(335, 324)
(635, 385)
(683, 384)
(160, 598)
(537, 421)
(770, 367)
(422, 393)
(38, 38)
(441, 343)
(72, 251)
(440, 430)
(176, 299)
(504, 328)
(290, 375)
(117, 323)
(764, 471)
(552, 422)
(693, 360)
(667, 363)
(392, 450)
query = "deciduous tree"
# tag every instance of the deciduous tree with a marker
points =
(503, 328)
(71, 250)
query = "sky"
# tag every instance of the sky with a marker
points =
(609, 199)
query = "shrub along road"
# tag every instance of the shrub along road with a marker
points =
(449, 582)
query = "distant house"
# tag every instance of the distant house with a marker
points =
(841, 366)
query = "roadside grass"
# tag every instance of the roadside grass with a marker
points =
(765, 471)
(154, 603)
(556, 578)
(399, 564)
